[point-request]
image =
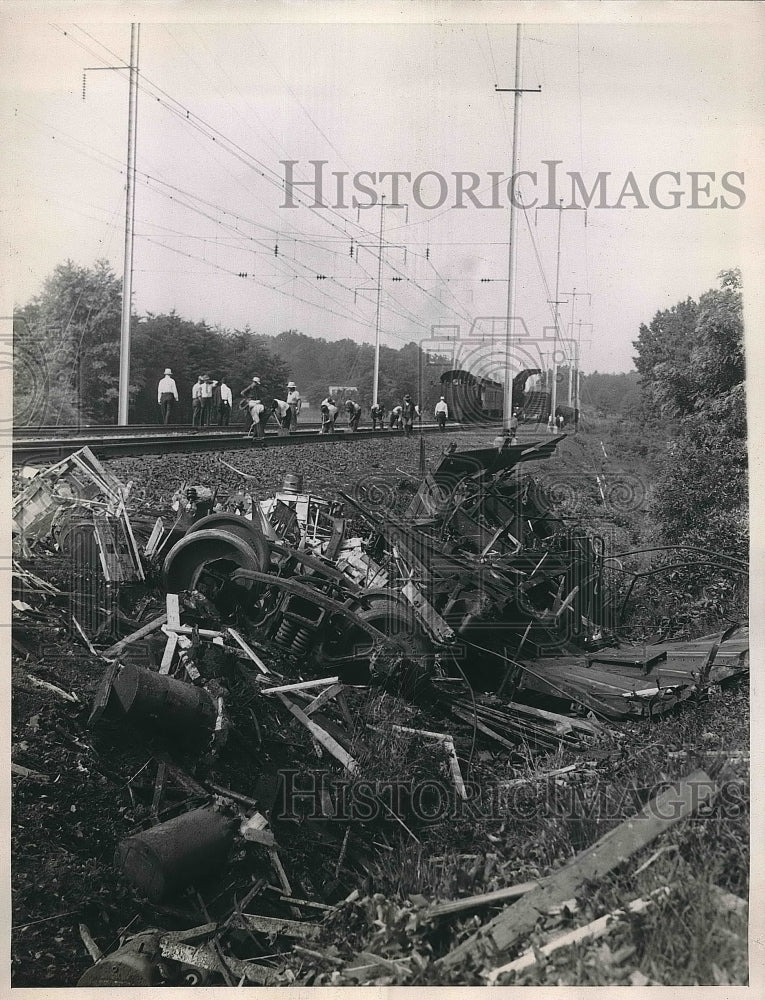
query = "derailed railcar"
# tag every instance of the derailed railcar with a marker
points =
(470, 397)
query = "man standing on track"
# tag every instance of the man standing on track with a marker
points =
(395, 416)
(167, 395)
(206, 392)
(408, 411)
(442, 413)
(226, 402)
(196, 402)
(293, 398)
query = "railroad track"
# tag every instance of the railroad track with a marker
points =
(152, 441)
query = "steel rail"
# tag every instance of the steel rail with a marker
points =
(54, 449)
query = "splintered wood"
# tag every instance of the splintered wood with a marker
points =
(661, 813)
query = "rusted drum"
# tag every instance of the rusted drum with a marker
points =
(161, 861)
(136, 963)
(292, 482)
(162, 702)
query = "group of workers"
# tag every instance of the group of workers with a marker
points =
(212, 402)
(285, 411)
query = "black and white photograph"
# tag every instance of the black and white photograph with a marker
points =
(380, 388)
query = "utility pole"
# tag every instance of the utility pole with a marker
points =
(127, 279)
(574, 295)
(578, 365)
(556, 302)
(517, 90)
(378, 310)
(376, 376)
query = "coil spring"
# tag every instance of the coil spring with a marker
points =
(294, 637)
(285, 633)
(301, 641)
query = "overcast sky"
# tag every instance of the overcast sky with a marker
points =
(220, 105)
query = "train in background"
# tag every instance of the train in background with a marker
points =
(474, 399)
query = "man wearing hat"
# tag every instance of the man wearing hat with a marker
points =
(206, 393)
(295, 402)
(250, 392)
(196, 401)
(167, 395)
(442, 413)
(408, 411)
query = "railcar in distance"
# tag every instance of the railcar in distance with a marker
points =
(471, 398)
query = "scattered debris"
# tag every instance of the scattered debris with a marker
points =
(676, 803)
(322, 639)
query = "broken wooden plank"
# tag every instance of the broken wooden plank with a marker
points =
(284, 882)
(310, 903)
(448, 742)
(321, 699)
(660, 814)
(366, 962)
(26, 772)
(90, 945)
(205, 958)
(173, 605)
(302, 685)
(54, 689)
(322, 736)
(254, 829)
(279, 925)
(468, 716)
(504, 895)
(141, 633)
(176, 937)
(595, 929)
(91, 648)
(187, 630)
(249, 651)
(169, 653)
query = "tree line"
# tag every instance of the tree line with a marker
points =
(692, 369)
(66, 357)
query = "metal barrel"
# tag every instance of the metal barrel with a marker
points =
(292, 482)
(136, 963)
(163, 703)
(166, 858)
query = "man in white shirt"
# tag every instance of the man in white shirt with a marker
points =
(206, 393)
(258, 417)
(442, 413)
(196, 402)
(295, 402)
(226, 402)
(167, 395)
(353, 410)
(250, 392)
(377, 413)
(283, 413)
(328, 415)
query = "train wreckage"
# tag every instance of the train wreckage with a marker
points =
(289, 626)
